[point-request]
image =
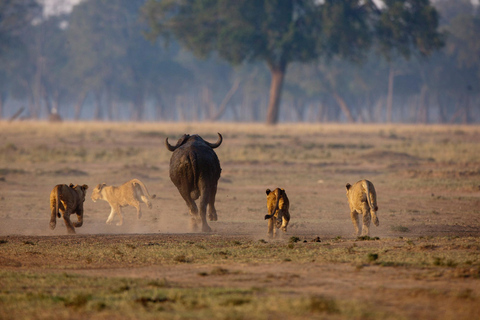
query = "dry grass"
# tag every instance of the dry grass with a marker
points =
(422, 261)
(55, 291)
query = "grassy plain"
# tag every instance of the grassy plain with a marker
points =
(423, 261)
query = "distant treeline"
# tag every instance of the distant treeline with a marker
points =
(99, 63)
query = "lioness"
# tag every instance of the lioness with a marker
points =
(129, 193)
(362, 199)
(277, 206)
(67, 200)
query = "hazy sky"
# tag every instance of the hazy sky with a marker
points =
(53, 7)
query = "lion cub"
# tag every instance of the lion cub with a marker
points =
(67, 200)
(129, 193)
(362, 199)
(278, 215)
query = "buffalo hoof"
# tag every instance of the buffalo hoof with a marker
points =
(212, 217)
(194, 225)
(206, 228)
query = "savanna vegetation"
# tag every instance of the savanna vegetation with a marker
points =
(423, 261)
(409, 61)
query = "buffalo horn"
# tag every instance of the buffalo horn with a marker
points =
(216, 144)
(169, 146)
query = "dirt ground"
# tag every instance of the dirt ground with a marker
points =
(428, 200)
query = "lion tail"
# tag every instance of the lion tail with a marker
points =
(57, 202)
(144, 189)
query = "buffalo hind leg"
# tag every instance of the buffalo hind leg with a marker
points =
(203, 212)
(193, 210)
(212, 212)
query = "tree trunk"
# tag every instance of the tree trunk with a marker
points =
(276, 86)
(159, 107)
(391, 78)
(223, 105)
(343, 105)
(3, 98)
(98, 115)
(32, 106)
(138, 107)
(422, 105)
(467, 115)
(16, 114)
(79, 104)
(458, 113)
(442, 110)
(299, 106)
(109, 103)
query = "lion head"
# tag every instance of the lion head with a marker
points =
(80, 189)
(97, 192)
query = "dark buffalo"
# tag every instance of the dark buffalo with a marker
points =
(195, 170)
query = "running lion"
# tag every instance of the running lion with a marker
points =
(278, 215)
(67, 200)
(362, 200)
(130, 193)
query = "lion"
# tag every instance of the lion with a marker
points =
(130, 193)
(278, 214)
(67, 200)
(362, 199)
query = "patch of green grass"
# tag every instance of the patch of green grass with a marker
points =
(294, 239)
(367, 238)
(24, 295)
(399, 228)
(372, 257)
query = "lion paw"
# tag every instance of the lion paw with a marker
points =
(53, 225)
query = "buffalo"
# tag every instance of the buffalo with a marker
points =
(195, 170)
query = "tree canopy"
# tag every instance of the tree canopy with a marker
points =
(347, 60)
(279, 32)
